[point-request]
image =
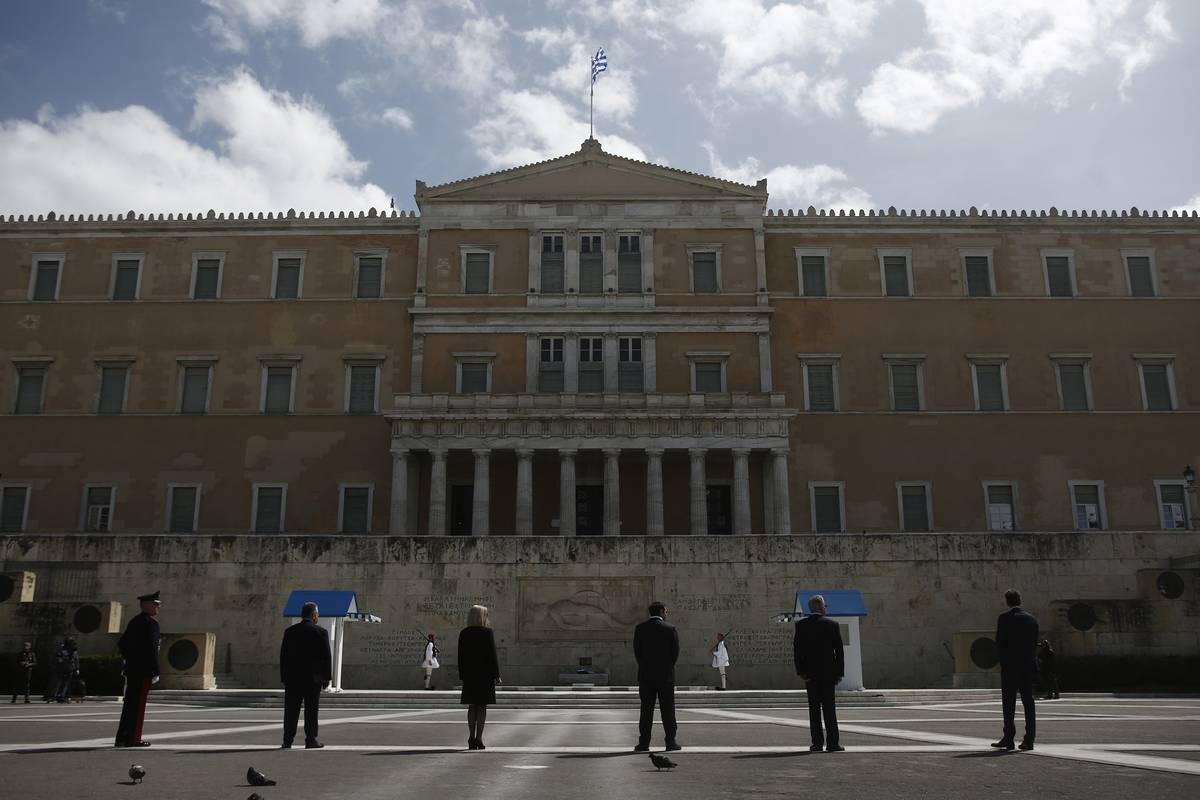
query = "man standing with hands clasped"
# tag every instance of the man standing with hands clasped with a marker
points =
(139, 648)
(820, 663)
(305, 668)
(656, 648)
(1016, 644)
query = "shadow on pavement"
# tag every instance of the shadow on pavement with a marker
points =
(618, 754)
(791, 754)
(988, 754)
(419, 752)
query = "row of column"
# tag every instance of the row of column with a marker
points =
(775, 491)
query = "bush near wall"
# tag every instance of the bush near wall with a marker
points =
(1129, 673)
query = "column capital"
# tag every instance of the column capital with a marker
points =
(566, 453)
(611, 452)
(653, 452)
(399, 453)
(438, 453)
(524, 452)
(481, 453)
(779, 451)
(741, 452)
(697, 452)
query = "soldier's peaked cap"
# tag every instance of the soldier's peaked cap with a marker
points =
(152, 597)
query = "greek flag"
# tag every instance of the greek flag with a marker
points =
(599, 63)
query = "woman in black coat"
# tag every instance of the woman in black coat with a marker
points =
(479, 669)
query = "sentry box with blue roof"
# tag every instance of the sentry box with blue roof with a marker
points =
(335, 608)
(845, 606)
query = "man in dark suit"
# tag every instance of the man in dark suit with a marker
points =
(656, 648)
(820, 662)
(305, 667)
(1016, 645)
(139, 648)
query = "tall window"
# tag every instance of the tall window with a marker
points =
(31, 390)
(194, 388)
(977, 271)
(98, 502)
(1158, 385)
(553, 262)
(1074, 388)
(827, 512)
(629, 263)
(14, 508)
(820, 386)
(45, 282)
(1087, 502)
(814, 272)
(113, 381)
(705, 274)
(362, 389)
(355, 510)
(1060, 272)
(591, 264)
(1001, 505)
(915, 506)
(1173, 511)
(289, 276)
(708, 376)
(550, 370)
(991, 385)
(591, 364)
(477, 272)
(270, 505)
(896, 268)
(206, 281)
(474, 377)
(630, 373)
(277, 389)
(183, 507)
(1139, 272)
(368, 276)
(127, 272)
(905, 386)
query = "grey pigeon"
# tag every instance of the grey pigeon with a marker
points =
(137, 772)
(661, 762)
(256, 778)
(255, 796)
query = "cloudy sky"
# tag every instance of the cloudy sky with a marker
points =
(112, 105)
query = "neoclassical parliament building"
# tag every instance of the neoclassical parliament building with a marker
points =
(593, 346)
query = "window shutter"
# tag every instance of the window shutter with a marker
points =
(552, 264)
(268, 518)
(362, 390)
(478, 266)
(279, 390)
(1173, 507)
(12, 509)
(287, 279)
(46, 286)
(591, 273)
(629, 265)
(1158, 389)
(195, 390)
(916, 513)
(708, 377)
(1074, 387)
(125, 286)
(820, 388)
(895, 272)
(905, 392)
(828, 508)
(1058, 275)
(370, 276)
(208, 270)
(474, 377)
(183, 509)
(550, 378)
(29, 391)
(630, 378)
(591, 378)
(112, 390)
(812, 270)
(354, 509)
(991, 388)
(704, 272)
(1140, 282)
(978, 278)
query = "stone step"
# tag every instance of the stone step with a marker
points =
(226, 681)
(576, 697)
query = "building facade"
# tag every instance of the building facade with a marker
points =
(595, 346)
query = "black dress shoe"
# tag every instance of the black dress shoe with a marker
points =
(642, 748)
(139, 743)
(312, 744)
(1004, 744)
(1025, 746)
(673, 746)
(285, 746)
(479, 745)
(834, 748)
(816, 748)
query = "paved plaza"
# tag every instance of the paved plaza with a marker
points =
(1088, 746)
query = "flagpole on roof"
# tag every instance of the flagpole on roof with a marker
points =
(599, 64)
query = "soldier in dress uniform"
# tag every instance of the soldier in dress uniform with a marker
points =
(139, 648)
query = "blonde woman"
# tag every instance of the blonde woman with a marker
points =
(479, 669)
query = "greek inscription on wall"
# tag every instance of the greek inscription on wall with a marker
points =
(763, 645)
(714, 603)
(448, 606)
(383, 648)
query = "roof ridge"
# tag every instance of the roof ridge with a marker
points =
(1053, 212)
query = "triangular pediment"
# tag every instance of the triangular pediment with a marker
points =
(589, 174)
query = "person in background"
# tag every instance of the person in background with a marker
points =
(1045, 658)
(430, 661)
(656, 648)
(820, 663)
(66, 667)
(305, 668)
(1016, 644)
(479, 670)
(139, 648)
(26, 660)
(720, 659)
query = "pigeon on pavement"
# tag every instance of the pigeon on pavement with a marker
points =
(255, 796)
(136, 772)
(256, 778)
(661, 762)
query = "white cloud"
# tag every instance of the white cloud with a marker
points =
(793, 186)
(1009, 49)
(275, 152)
(318, 21)
(1190, 207)
(398, 117)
